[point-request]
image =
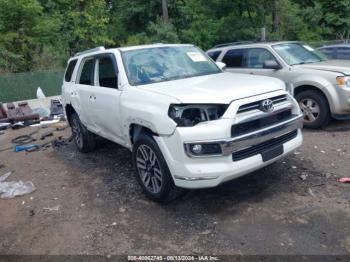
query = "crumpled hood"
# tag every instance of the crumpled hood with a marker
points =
(337, 66)
(220, 88)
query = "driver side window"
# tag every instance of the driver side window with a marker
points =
(107, 72)
(255, 57)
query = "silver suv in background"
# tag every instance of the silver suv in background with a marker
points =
(321, 86)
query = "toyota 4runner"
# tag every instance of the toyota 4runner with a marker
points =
(187, 123)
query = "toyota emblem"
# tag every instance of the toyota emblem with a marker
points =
(266, 105)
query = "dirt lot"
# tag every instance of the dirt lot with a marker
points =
(91, 204)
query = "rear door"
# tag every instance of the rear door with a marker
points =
(105, 109)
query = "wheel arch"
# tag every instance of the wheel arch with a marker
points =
(135, 130)
(69, 111)
(301, 88)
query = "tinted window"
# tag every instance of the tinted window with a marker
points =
(214, 55)
(330, 52)
(343, 53)
(70, 69)
(107, 72)
(257, 56)
(87, 73)
(234, 58)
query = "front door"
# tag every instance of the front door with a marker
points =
(250, 61)
(105, 108)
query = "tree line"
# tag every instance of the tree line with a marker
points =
(42, 34)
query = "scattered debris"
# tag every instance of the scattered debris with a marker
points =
(303, 177)
(344, 180)
(294, 167)
(4, 126)
(13, 189)
(47, 122)
(46, 134)
(56, 107)
(28, 148)
(39, 93)
(297, 153)
(42, 112)
(311, 193)
(323, 152)
(55, 208)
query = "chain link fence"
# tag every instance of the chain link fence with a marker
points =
(23, 86)
(325, 43)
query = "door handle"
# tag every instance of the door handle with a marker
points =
(252, 73)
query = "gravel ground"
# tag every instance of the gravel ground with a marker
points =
(91, 204)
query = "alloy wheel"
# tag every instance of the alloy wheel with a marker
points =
(149, 169)
(310, 109)
(77, 133)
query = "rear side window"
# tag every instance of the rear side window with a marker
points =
(214, 54)
(70, 69)
(234, 58)
(87, 73)
(107, 72)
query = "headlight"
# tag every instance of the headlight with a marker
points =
(191, 115)
(343, 81)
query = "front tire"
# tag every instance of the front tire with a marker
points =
(83, 138)
(315, 108)
(152, 172)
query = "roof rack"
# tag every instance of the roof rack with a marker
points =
(100, 48)
(234, 43)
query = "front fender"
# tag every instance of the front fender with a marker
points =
(147, 109)
(325, 86)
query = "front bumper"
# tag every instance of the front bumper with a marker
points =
(231, 145)
(192, 172)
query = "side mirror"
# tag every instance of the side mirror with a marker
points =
(221, 65)
(272, 64)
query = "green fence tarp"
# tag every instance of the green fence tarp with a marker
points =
(23, 86)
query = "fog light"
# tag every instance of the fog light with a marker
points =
(204, 149)
(197, 149)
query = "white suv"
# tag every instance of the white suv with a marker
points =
(187, 123)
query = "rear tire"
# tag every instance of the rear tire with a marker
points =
(315, 108)
(152, 172)
(83, 138)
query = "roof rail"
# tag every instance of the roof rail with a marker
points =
(234, 43)
(100, 48)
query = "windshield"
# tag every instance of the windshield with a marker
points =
(152, 65)
(296, 53)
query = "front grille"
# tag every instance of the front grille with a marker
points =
(256, 104)
(258, 149)
(257, 124)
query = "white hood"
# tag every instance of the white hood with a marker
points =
(220, 88)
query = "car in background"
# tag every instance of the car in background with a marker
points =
(336, 51)
(321, 86)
